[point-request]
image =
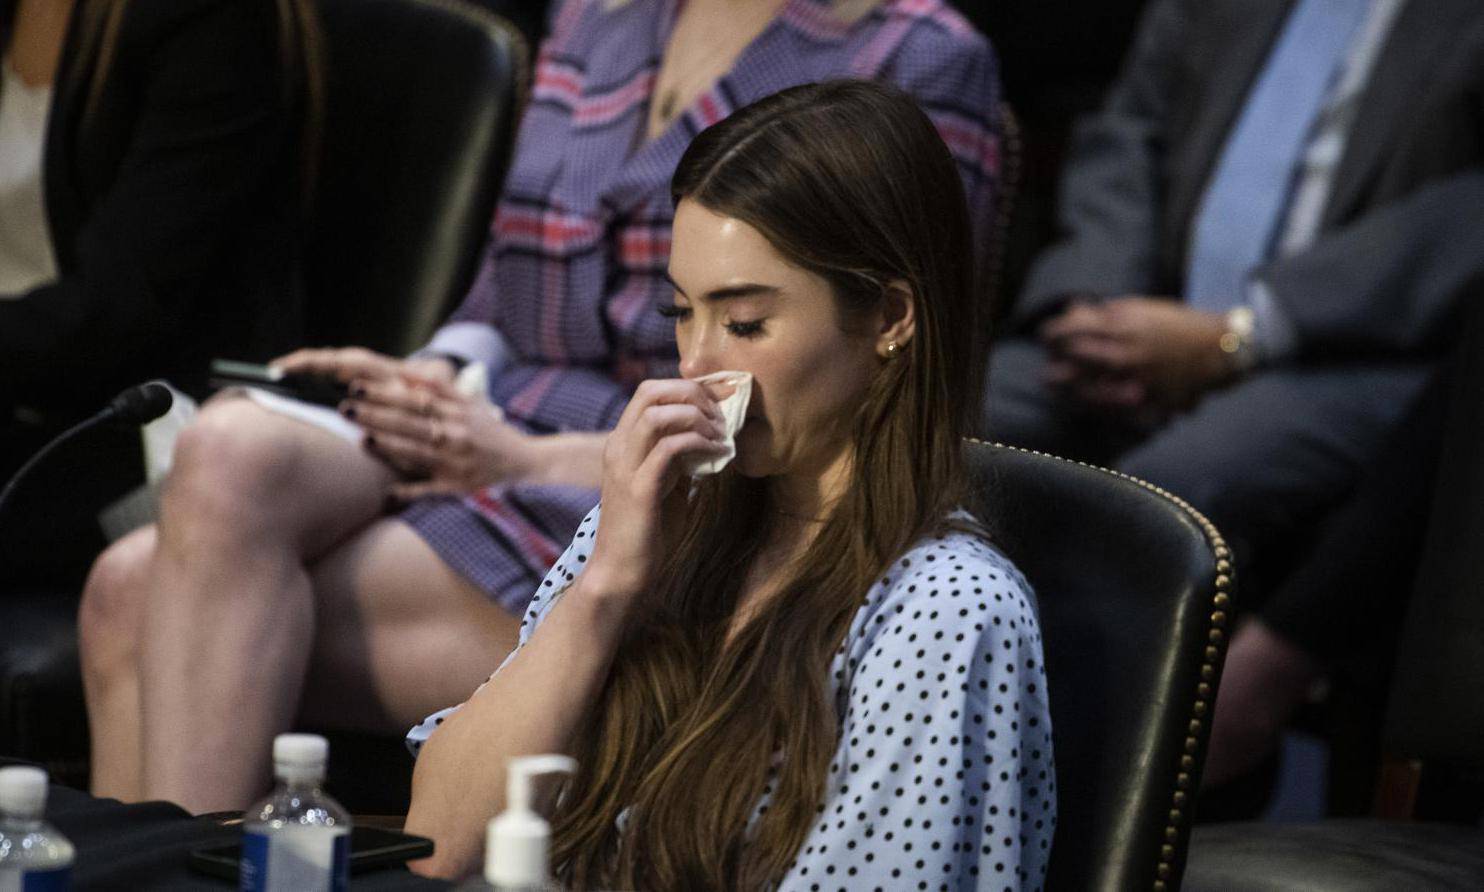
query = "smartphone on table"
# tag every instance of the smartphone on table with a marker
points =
(371, 848)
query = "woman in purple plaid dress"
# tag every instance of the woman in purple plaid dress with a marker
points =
(276, 587)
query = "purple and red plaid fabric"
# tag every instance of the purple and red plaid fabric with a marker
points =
(580, 241)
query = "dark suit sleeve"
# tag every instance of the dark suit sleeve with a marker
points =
(1109, 208)
(212, 127)
(1392, 281)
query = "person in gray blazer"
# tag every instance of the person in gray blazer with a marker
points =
(1266, 238)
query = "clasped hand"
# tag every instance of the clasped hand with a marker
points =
(440, 441)
(1133, 354)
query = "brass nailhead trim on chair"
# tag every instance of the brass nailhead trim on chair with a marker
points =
(1221, 586)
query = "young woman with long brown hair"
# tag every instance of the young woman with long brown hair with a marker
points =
(279, 586)
(811, 668)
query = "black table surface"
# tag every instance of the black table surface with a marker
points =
(147, 846)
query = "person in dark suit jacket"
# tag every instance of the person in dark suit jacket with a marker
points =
(1263, 401)
(171, 165)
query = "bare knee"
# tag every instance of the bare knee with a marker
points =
(233, 449)
(233, 474)
(110, 618)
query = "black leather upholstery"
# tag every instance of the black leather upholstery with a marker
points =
(41, 709)
(421, 103)
(1336, 856)
(1134, 589)
(530, 16)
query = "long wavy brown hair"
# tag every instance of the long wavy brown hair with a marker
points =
(848, 180)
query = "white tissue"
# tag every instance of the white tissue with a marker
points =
(733, 415)
(474, 382)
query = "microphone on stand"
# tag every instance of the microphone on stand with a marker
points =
(139, 405)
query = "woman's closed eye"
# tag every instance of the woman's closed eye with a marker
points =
(749, 329)
(736, 328)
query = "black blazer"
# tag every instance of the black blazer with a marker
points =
(175, 218)
(1401, 243)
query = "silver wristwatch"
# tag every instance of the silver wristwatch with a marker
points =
(1237, 341)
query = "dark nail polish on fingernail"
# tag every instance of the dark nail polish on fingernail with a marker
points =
(370, 441)
(357, 391)
(348, 410)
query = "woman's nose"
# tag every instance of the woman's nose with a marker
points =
(698, 355)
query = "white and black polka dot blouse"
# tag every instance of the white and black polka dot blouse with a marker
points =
(943, 776)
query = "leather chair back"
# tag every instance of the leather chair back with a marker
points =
(421, 105)
(1435, 712)
(1135, 593)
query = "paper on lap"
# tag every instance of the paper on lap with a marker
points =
(324, 418)
(734, 415)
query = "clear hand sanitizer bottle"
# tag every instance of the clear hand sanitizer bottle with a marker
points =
(298, 839)
(517, 841)
(34, 857)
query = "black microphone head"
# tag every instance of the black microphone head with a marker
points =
(141, 403)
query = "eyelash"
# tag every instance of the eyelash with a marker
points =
(748, 330)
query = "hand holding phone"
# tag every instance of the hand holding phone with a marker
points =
(317, 389)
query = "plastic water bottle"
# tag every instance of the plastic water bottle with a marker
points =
(518, 839)
(34, 857)
(298, 839)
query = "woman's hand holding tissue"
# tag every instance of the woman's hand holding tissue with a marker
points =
(644, 461)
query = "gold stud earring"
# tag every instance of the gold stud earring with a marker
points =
(892, 348)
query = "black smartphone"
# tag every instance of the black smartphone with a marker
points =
(317, 389)
(371, 848)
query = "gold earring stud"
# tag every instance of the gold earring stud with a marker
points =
(892, 348)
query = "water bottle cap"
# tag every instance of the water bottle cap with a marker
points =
(300, 753)
(23, 791)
